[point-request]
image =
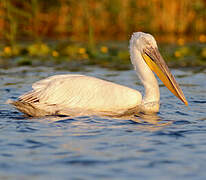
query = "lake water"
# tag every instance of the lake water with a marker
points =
(171, 145)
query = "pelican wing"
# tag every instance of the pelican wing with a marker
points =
(82, 92)
(44, 82)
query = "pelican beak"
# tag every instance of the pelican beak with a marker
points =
(157, 64)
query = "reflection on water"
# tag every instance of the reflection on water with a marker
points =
(167, 145)
(150, 122)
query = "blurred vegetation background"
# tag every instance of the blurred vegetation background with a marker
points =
(67, 30)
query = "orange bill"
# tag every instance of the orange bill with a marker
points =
(156, 63)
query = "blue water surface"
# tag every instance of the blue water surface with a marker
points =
(171, 145)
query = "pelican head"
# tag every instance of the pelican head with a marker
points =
(146, 58)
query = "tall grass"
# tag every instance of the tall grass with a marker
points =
(92, 20)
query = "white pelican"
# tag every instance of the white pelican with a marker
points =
(84, 95)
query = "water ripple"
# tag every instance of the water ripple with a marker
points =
(181, 113)
(199, 101)
(84, 162)
(68, 120)
(37, 144)
(182, 122)
(176, 134)
(160, 162)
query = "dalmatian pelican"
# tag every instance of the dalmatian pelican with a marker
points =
(71, 94)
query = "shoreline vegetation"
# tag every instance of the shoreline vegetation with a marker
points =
(97, 32)
(114, 55)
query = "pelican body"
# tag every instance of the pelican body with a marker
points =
(84, 95)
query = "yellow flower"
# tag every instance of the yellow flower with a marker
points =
(71, 51)
(104, 49)
(44, 49)
(55, 53)
(204, 52)
(32, 49)
(177, 54)
(7, 50)
(181, 41)
(202, 38)
(82, 50)
(38, 49)
(15, 50)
